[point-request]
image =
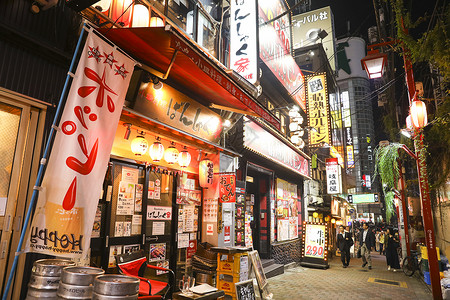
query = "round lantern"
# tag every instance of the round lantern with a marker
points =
(205, 173)
(171, 155)
(315, 215)
(121, 13)
(418, 114)
(184, 159)
(327, 218)
(156, 151)
(141, 16)
(333, 220)
(139, 145)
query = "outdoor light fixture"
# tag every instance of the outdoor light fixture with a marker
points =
(156, 22)
(156, 150)
(205, 173)
(226, 123)
(374, 63)
(418, 111)
(127, 131)
(184, 158)
(171, 154)
(327, 218)
(157, 84)
(141, 16)
(139, 145)
(315, 215)
(333, 220)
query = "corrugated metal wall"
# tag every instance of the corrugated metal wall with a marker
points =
(35, 49)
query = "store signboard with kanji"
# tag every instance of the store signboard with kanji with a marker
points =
(315, 241)
(227, 188)
(334, 181)
(243, 42)
(318, 111)
(67, 203)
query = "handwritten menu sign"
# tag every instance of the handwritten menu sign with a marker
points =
(245, 290)
(227, 188)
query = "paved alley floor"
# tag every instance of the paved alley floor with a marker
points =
(353, 282)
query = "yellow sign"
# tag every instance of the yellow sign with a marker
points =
(318, 110)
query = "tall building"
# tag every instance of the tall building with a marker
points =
(357, 113)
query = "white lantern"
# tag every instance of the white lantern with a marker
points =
(206, 173)
(156, 22)
(141, 16)
(294, 126)
(171, 155)
(139, 145)
(419, 114)
(184, 159)
(156, 151)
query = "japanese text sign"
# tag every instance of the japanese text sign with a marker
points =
(315, 235)
(334, 181)
(171, 107)
(67, 203)
(159, 212)
(227, 186)
(243, 43)
(318, 111)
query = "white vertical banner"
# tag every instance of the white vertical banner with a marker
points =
(334, 181)
(68, 198)
(243, 39)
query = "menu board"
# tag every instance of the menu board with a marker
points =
(239, 232)
(245, 290)
(315, 236)
(187, 192)
(286, 210)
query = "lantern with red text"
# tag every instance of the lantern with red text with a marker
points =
(184, 159)
(139, 145)
(418, 112)
(171, 155)
(206, 173)
(156, 151)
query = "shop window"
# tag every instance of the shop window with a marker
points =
(182, 13)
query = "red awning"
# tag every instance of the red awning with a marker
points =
(192, 69)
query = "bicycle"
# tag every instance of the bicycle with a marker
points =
(412, 263)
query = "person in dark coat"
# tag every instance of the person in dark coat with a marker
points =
(367, 243)
(344, 242)
(391, 251)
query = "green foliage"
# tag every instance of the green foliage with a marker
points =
(389, 203)
(434, 45)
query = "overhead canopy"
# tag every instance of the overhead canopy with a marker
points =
(192, 69)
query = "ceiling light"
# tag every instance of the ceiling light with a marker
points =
(227, 123)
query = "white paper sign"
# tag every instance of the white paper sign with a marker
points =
(125, 198)
(183, 240)
(3, 201)
(159, 212)
(126, 228)
(75, 171)
(136, 224)
(158, 228)
(130, 174)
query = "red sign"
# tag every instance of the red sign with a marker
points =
(227, 188)
(226, 83)
(191, 249)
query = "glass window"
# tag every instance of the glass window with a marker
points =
(206, 34)
(9, 126)
(181, 12)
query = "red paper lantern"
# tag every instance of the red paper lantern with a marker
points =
(184, 159)
(156, 151)
(118, 8)
(205, 173)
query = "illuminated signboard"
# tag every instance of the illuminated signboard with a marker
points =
(243, 45)
(346, 116)
(275, 49)
(315, 237)
(334, 181)
(365, 198)
(318, 110)
(267, 145)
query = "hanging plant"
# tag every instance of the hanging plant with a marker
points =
(386, 166)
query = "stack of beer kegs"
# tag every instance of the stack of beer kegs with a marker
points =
(77, 282)
(115, 287)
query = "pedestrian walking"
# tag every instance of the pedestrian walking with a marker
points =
(367, 243)
(377, 241)
(382, 239)
(391, 251)
(344, 241)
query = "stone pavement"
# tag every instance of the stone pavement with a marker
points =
(350, 283)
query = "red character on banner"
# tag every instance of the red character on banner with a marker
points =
(227, 188)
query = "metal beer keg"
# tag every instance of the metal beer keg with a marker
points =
(45, 277)
(77, 282)
(112, 287)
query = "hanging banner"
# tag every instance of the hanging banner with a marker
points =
(334, 180)
(66, 207)
(243, 42)
(227, 188)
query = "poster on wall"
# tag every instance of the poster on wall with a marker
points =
(138, 198)
(248, 230)
(188, 218)
(96, 228)
(162, 264)
(239, 214)
(113, 251)
(315, 237)
(159, 212)
(131, 248)
(210, 207)
(188, 193)
(283, 229)
(227, 188)
(130, 174)
(125, 198)
(157, 252)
